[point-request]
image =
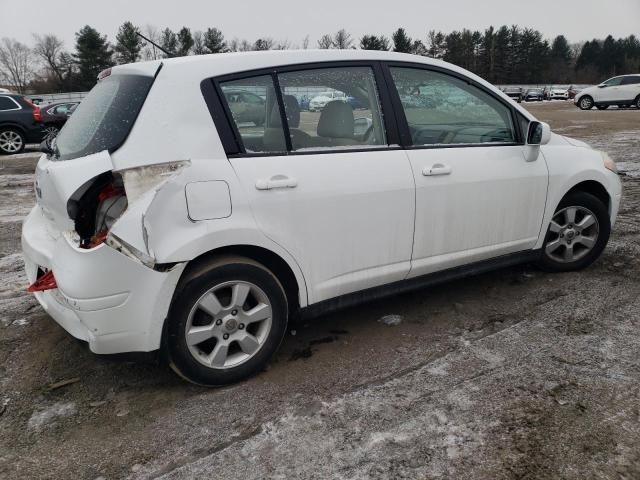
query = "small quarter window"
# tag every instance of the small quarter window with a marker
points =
(444, 110)
(253, 105)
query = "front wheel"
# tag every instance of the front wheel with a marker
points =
(226, 322)
(586, 103)
(577, 234)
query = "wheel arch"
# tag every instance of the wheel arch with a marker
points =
(294, 290)
(595, 188)
(14, 125)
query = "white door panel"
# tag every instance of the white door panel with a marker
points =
(489, 203)
(347, 218)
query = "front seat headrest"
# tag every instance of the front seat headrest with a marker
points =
(291, 108)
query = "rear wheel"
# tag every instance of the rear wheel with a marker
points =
(577, 234)
(226, 322)
(11, 141)
(586, 103)
(637, 102)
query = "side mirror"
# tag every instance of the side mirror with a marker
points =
(602, 85)
(539, 133)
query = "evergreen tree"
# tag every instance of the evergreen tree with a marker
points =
(128, 44)
(185, 42)
(435, 47)
(169, 42)
(214, 41)
(93, 54)
(373, 42)
(401, 41)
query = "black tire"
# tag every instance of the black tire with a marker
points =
(585, 103)
(223, 270)
(594, 205)
(9, 147)
(636, 102)
(602, 107)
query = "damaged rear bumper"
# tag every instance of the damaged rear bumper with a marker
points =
(104, 297)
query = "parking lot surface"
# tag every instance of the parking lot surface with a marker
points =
(511, 374)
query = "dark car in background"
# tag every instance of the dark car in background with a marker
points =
(515, 93)
(20, 123)
(534, 95)
(55, 115)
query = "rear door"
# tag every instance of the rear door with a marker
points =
(327, 186)
(476, 195)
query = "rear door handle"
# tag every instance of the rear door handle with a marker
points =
(276, 181)
(436, 169)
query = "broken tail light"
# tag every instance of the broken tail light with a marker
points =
(44, 282)
(35, 110)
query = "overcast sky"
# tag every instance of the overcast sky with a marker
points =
(294, 19)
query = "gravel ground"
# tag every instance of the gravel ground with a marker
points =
(514, 374)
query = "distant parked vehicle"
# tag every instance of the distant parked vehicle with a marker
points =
(318, 102)
(559, 93)
(515, 93)
(356, 104)
(573, 91)
(20, 123)
(5, 90)
(623, 91)
(54, 116)
(534, 95)
(246, 107)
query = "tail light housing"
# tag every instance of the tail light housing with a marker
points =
(35, 111)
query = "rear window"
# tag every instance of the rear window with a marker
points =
(104, 118)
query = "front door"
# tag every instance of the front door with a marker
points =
(476, 195)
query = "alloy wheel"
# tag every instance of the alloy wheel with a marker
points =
(10, 141)
(229, 324)
(586, 103)
(573, 234)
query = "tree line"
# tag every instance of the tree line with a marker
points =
(504, 55)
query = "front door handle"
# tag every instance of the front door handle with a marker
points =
(276, 181)
(436, 169)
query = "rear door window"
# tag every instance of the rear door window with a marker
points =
(104, 118)
(343, 112)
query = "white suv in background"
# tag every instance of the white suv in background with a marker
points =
(201, 235)
(623, 91)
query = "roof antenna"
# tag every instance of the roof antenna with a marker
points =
(168, 54)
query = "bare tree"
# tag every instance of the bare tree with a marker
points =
(305, 42)
(16, 63)
(342, 40)
(49, 49)
(282, 45)
(198, 43)
(325, 42)
(150, 51)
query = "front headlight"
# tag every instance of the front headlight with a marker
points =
(609, 164)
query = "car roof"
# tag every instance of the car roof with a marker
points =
(233, 62)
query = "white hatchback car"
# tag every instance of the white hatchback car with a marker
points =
(164, 223)
(623, 91)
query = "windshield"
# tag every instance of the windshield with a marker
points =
(104, 118)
